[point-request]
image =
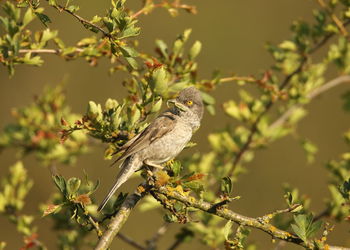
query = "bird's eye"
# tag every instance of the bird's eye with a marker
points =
(189, 103)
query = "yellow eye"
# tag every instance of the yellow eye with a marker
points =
(189, 103)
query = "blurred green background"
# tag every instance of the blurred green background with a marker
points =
(233, 34)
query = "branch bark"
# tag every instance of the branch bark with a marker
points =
(120, 218)
(258, 223)
(46, 51)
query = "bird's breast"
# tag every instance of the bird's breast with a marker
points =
(168, 146)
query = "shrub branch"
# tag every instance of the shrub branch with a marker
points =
(227, 214)
(316, 92)
(121, 217)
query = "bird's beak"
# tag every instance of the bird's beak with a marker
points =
(177, 104)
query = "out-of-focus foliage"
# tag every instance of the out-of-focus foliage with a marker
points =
(14, 189)
(72, 210)
(53, 134)
(37, 129)
(338, 206)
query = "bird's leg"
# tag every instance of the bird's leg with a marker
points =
(148, 163)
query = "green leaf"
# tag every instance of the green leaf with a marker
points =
(73, 8)
(43, 18)
(28, 17)
(157, 105)
(170, 218)
(226, 185)
(195, 186)
(177, 87)
(129, 32)
(176, 167)
(345, 189)
(195, 50)
(47, 35)
(304, 226)
(208, 99)
(163, 48)
(314, 228)
(231, 108)
(310, 150)
(132, 62)
(227, 229)
(111, 104)
(60, 183)
(73, 185)
(159, 81)
(94, 111)
(52, 2)
(27, 59)
(299, 231)
(128, 51)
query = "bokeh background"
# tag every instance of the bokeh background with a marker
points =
(233, 34)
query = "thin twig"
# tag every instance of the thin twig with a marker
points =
(326, 39)
(316, 92)
(144, 10)
(120, 218)
(237, 78)
(46, 51)
(176, 244)
(322, 214)
(152, 243)
(266, 218)
(130, 241)
(227, 214)
(82, 20)
(95, 225)
(335, 19)
(175, 5)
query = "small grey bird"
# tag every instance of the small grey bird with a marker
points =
(163, 139)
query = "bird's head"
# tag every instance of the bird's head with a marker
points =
(189, 100)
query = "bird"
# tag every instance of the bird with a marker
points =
(163, 139)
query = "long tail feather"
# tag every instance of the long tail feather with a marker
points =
(128, 168)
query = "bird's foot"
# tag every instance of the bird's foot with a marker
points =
(170, 162)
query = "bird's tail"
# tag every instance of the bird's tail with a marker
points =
(129, 166)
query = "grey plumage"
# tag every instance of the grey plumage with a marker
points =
(163, 139)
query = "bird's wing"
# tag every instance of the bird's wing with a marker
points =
(158, 128)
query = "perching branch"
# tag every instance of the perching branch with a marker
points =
(120, 218)
(227, 214)
(316, 92)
